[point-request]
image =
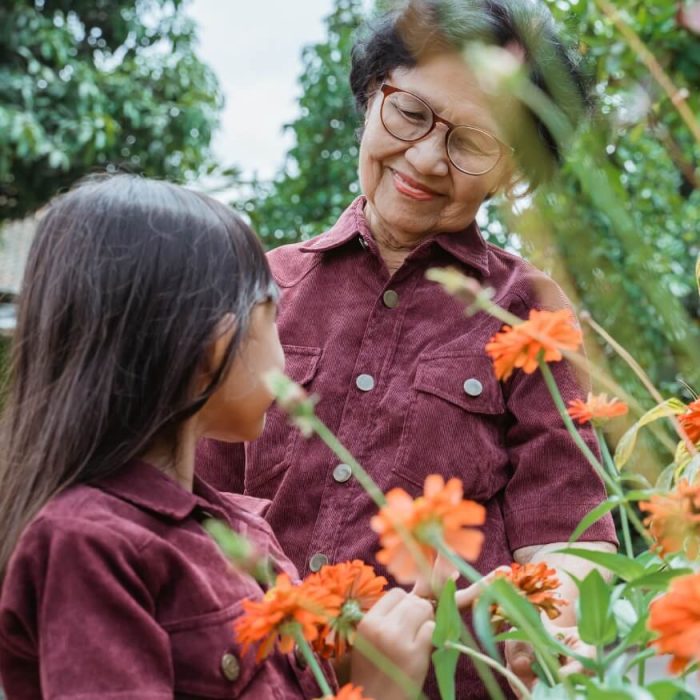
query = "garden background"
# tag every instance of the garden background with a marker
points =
(88, 86)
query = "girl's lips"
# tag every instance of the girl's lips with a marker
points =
(411, 188)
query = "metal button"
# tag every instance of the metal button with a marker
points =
(391, 299)
(230, 667)
(300, 658)
(317, 561)
(365, 382)
(342, 473)
(473, 387)
(363, 243)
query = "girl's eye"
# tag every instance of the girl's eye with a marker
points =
(413, 116)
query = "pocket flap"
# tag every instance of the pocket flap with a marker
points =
(301, 362)
(466, 381)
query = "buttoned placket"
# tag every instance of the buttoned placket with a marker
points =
(361, 405)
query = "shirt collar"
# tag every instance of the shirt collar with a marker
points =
(149, 488)
(467, 245)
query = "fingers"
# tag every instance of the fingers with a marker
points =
(441, 572)
(466, 597)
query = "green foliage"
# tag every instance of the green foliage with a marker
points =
(649, 159)
(319, 178)
(101, 84)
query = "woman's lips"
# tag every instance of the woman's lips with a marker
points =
(405, 185)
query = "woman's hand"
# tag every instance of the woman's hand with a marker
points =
(400, 626)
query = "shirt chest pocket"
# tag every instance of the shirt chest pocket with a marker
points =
(207, 661)
(454, 425)
(273, 452)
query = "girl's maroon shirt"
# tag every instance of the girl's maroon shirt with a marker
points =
(404, 381)
(116, 591)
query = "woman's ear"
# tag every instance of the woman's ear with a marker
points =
(216, 350)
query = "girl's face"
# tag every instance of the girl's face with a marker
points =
(236, 411)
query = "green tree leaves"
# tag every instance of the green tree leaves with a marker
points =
(99, 85)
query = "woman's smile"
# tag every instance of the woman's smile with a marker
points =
(411, 188)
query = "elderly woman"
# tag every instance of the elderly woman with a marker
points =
(401, 372)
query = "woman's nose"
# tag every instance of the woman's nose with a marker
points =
(429, 155)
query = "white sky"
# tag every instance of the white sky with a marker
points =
(254, 47)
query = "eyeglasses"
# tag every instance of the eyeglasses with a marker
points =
(408, 118)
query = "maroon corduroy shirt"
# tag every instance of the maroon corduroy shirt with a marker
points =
(405, 383)
(116, 591)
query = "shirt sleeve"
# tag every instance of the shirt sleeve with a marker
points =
(553, 486)
(221, 464)
(75, 603)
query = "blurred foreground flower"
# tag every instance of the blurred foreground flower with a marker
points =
(283, 608)
(349, 692)
(440, 514)
(675, 616)
(545, 332)
(674, 519)
(690, 421)
(358, 587)
(293, 400)
(596, 409)
(538, 584)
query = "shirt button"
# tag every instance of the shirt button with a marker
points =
(365, 382)
(363, 243)
(391, 299)
(230, 667)
(473, 387)
(317, 561)
(342, 473)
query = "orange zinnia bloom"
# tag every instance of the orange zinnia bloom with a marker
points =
(545, 333)
(349, 692)
(440, 511)
(275, 616)
(538, 584)
(359, 588)
(597, 408)
(676, 617)
(690, 421)
(674, 519)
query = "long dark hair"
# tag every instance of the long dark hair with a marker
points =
(126, 283)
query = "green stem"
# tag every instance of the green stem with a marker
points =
(485, 673)
(387, 666)
(608, 461)
(312, 661)
(468, 571)
(612, 486)
(505, 672)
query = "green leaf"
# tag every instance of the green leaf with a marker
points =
(627, 442)
(669, 690)
(627, 569)
(596, 622)
(591, 518)
(657, 580)
(445, 665)
(448, 621)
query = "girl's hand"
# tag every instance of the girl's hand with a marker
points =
(400, 626)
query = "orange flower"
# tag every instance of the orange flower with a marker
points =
(440, 511)
(275, 617)
(674, 519)
(349, 692)
(676, 617)
(359, 588)
(545, 332)
(597, 408)
(690, 421)
(538, 584)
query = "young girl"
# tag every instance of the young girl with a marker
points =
(146, 321)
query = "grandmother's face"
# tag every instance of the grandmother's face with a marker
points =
(412, 188)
